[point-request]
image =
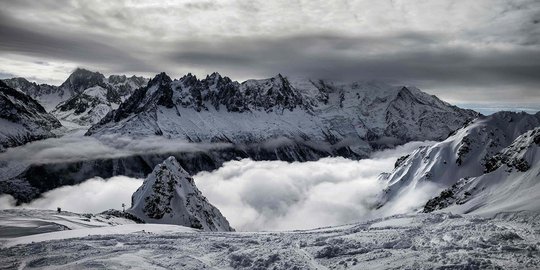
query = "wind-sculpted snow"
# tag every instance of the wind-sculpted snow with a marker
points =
(169, 196)
(467, 153)
(423, 241)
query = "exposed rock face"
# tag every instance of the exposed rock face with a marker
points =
(510, 183)
(22, 119)
(470, 152)
(169, 195)
(84, 98)
(355, 117)
(48, 96)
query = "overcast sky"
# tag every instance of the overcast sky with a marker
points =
(466, 52)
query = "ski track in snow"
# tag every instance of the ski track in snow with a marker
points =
(416, 241)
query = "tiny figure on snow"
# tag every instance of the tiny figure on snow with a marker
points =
(59, 210)
(123, 207)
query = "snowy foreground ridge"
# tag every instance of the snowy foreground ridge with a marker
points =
(422, 241)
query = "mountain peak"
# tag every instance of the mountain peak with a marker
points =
(169, 196)
(161, 79)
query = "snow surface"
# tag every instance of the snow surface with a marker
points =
(421, 241)
(429, 170)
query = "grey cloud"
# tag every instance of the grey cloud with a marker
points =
(486, 51)
(76, 148)
(56, 44)
(427, 61)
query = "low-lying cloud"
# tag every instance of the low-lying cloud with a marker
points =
(276, 195)
(262, 195)
(76, 148)
(92, 196)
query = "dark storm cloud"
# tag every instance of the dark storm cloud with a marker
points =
(473, 51)
(338, 57)
(35, 40)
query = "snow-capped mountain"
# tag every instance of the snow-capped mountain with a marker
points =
(89, 106)
(84, 98)
(511, 182)
(48, 96)
(22, 119)
(169, 196)
(320, 115)
(467, 153)
(92, 95)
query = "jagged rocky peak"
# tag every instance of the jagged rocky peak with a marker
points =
(23, 85)
(169, 196)
(22, 118)
(161, 79)
(82, 79)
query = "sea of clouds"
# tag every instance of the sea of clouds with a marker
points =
(259, 195)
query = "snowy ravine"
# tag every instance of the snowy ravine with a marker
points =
(169, 196)
(422, 241)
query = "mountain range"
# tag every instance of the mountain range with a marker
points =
(278, 118)
(84, 98)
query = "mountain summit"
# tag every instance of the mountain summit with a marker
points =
(169, 195)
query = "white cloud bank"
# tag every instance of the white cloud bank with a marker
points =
(91, 196)
(276, 195)
(259, 195)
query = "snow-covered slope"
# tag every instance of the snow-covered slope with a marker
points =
(464, 154)
(169, 196)
(84, 98)
(423, 241)
(47, 95)
(22, 119)
(339, 118)
(88, 107)
(92, 95)
(511, 182)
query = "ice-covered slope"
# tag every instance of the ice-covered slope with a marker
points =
(169, 196)
(339, 118)
(511, 182)
(464, 154)
(22, 119)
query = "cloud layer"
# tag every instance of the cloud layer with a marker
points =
(92, 196)
(467, 51)
(261, 195)
(75, 147)
(275, 195)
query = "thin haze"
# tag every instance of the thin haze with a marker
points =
(474, 52)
